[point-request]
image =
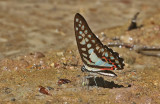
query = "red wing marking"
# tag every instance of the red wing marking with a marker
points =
(105, 58)
(110, 62)
(107, 68)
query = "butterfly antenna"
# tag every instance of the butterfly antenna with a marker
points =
(95, 81)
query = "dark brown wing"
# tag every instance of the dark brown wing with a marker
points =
(93, 53)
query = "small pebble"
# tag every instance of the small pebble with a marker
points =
(38, 54)
(71, 67)
(7, 90)
(43, 90)
(63, 81)
(13, 99)
(60, 54)
(50, 88)
(155, 83)
(52, 65)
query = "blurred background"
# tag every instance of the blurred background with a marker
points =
(38, 52)
(37, 25)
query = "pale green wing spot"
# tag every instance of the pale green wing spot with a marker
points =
(80, 37)
(89, 36)
(83, 35)
(107, 64)
(85, 31)
(93, 57)
(84, 54)
(103, 54)
(102, 50)
(119, 66)
(99, 62)
(97, 47)
(76, 28)
(90, 51)
(112, 58)
(82, 27)
(86, 39)
(117, 61)
(80, 32)
(93, 41)
(83, 49)
(77, 19)
(83, 42)
(88, 45)
(80, 22)
(106, 54)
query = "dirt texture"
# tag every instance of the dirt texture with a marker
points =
(40, 62)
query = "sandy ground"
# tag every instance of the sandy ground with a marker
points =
(38, 48)
(28, 25)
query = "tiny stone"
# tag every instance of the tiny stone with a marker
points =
(13, 99)
(155, 83)
(60, 53)
(71, 67)
(7, 90)
(50, 88)
(129, 85)
(52, 65)
(38, 55)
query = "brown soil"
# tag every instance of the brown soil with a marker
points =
(38, 48)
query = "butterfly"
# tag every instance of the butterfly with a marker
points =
(97, 58)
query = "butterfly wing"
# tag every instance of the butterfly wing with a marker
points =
(93, 53)
(107, 73)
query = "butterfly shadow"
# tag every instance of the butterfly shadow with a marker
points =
(100, 82)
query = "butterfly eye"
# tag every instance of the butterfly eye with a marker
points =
(83, 68)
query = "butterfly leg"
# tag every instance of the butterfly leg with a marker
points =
(85, 82)
(85, 78)
(95, 80)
